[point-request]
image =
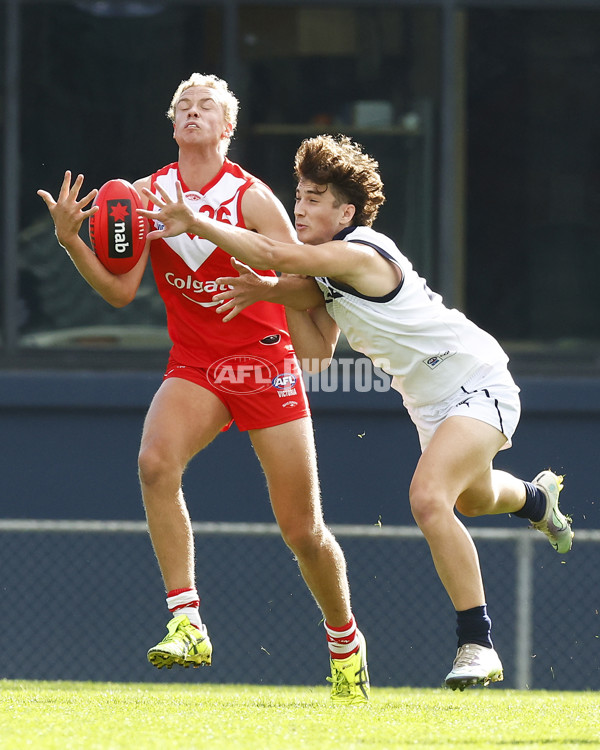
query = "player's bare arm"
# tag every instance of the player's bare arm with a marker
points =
(297, 292)
(358, 265)
(314, 332)
(69, 212)
(144, 182)
(314, 335)
(264, 213)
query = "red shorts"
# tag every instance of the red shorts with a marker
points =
(257, 392)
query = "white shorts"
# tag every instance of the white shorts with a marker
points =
(489, 395)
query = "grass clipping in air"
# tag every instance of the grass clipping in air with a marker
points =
(107, 716)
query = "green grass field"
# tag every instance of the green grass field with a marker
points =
(103, 716)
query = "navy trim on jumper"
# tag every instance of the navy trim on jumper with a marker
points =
(350, 289)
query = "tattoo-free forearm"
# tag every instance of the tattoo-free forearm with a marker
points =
(314, 335)
(295, 292)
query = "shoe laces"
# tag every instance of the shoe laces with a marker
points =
(342, 686)
(339, 682)
(178, 630)
(467, 655)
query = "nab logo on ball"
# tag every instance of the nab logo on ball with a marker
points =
(117, 231)
(119, 228)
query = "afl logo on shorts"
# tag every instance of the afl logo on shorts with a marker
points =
(242, 375)
(285, 381)
(274, 338)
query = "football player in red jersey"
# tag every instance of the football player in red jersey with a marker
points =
(452, 375)
(245, 372)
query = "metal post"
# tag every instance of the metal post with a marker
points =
(230, 43)
(451, 197)
(11, 177)
(524, 612)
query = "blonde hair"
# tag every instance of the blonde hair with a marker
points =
(224, 96)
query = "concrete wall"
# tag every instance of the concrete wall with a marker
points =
(69, 445)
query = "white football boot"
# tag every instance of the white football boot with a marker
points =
(554, 524)
(474, 665)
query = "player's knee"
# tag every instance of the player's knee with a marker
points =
(428, 504)
(153, 465)
(302, 538)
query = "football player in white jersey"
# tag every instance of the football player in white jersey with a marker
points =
(452, 375)
(189, 409)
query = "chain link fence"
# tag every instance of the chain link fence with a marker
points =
(84, 600)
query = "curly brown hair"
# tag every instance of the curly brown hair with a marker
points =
(352, 174)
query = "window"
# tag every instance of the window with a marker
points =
(371, 73)
(93, 98)
(97, 78)
(533, 209)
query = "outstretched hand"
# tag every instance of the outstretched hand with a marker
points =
(244, 290)
(175, 216)
(68, 212)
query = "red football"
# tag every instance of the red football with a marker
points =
(117, 232)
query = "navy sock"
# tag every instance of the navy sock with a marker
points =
(535, 503)
(474, 626)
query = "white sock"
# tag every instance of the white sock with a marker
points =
(185, 602)
(342, 642)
